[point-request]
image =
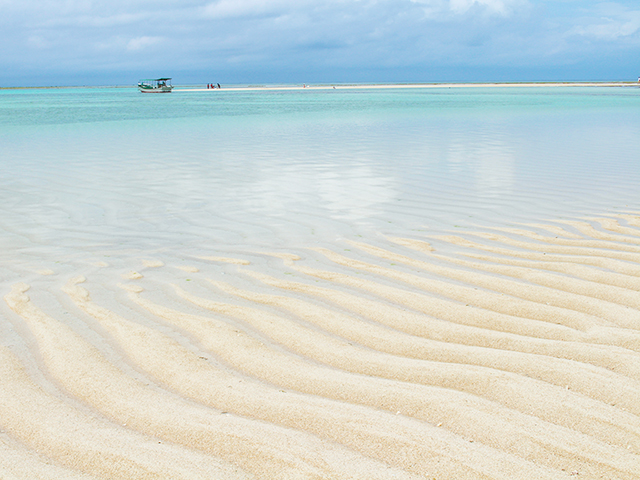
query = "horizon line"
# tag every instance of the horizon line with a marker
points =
(321, 85)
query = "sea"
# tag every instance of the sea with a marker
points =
(95, 173)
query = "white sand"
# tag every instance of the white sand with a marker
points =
(510, 354)
(408, 85)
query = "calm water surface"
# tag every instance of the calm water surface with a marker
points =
(87, 170)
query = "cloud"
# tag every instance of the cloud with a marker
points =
(282, 38)
(495, 6)
(140, 43)
(339, 8)
(250, 8)
(436, 8)
(610, 27)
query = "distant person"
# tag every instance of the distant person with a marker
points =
(221, 87)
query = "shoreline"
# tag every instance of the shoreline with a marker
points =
(410, 85)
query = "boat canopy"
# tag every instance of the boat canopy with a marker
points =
(154, 81)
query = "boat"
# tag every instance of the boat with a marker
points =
(155, 85)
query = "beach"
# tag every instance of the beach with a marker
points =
(387, 86)
(286, 282)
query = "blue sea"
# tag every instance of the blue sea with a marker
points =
(83, 167)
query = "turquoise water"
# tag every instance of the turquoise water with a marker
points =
(87, 170)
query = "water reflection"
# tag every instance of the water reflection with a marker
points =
(491, 164)
(342, 192)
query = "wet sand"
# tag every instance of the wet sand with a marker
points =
(489, 353)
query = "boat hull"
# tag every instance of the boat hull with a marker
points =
(155, 90)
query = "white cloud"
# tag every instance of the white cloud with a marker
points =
(140, 43)
(314, 35)
(499, 7)
(92, 21)
(251, 8)
(338, 8)
(610, 27)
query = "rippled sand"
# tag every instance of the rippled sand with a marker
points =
(495, 353)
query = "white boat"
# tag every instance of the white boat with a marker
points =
(155, 85)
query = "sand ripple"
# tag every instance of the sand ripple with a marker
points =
(487, 354)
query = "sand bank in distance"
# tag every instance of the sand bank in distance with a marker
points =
(509, 354)
(410, 85)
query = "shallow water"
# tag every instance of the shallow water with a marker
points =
(268, 168)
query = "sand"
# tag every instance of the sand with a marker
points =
(406, 85)
(494, 353)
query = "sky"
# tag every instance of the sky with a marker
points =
(117, 42)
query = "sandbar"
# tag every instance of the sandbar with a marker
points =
(406, 86)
